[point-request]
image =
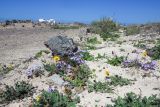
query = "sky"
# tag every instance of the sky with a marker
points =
(122, 11)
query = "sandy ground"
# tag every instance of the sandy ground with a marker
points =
(20, 44)
(16, 45)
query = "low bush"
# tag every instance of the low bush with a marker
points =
(115, 61)
(102, 87)
(93, 40)
(100, 56)
(154, 52)
(87, 56)
(80, 76)
(132, 100)
(107, 87)
(39, 54)
(109, 36)
(140, 44)
(19, 91)
(5, 69)
(54, 99)
(104, 25)
(118, 80)
(89, 47)
(132, 30)
(51, 68)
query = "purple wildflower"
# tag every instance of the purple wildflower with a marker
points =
(50, 89)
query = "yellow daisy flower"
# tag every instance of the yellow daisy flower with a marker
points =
(56, 58)
(38, 98)
(107, 73)
(144, 54)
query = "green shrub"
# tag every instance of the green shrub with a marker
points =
(54, 99)
(115, 61)
(5, 69)
(154, 52)
(118, 80)
(87, 56)
(65, 27)
(100, 56)
(50, 67)
(102, 87)
(132, 100)
(20, 91)
(89, 47)
(107, 87)
(109, 36)
(140, 44)
(93, 40)
(104, 25)
(39, 54)
(81, 76)
(132, 30)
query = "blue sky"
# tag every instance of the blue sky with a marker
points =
(123, 11)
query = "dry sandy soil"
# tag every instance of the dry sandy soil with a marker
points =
(17, 45)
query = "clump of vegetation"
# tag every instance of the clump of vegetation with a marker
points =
(118, 80)
(80, 76)
(102, 87)
(19, 91)
(39, 54)
(51, 68)
(105, 27)
(132, 100)
(107, 87)
(54, 99)
(101, 56)
(140, 44)
(132, 30)
(115, 61)
(87, 56)
(65, 27)
(109, 36)
(5, 69)
(93, 40)
(155, 51)
(89, 47)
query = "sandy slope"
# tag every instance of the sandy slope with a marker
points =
(22, 45)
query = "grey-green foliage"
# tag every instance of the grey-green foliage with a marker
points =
(5, 69)
(118, 80)
(39, 54)
(87, 56)
(81, 76)
(109, 36)
(19, 91)
(132, 30)
(154, 52)
(132, 100)
(107, 87)
(102, 87)
(54, 99)
(103, 25)
(93, 40)
(50, 67)
(115, 61)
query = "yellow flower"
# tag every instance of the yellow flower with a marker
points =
(107, 73)
(56, 58)
(38, 98)
(144, 54)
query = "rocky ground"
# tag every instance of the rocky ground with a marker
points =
(16, 46)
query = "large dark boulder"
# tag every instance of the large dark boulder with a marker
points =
(61, 45)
